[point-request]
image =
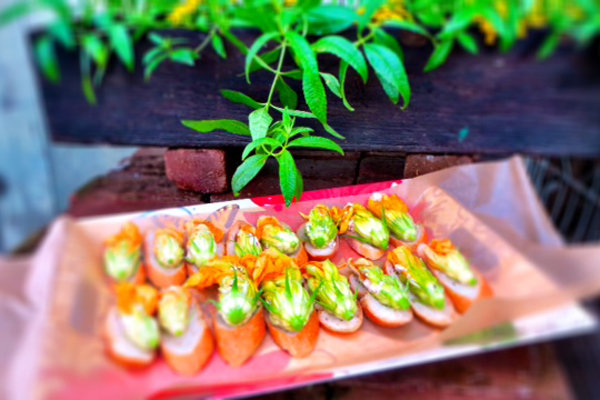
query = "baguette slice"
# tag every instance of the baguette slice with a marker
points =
(378, 313)
(119, 348)
(236, 344)
(188, 353)
(298, 344)
(161, 277)
(431, 315)
(366, 250)
(462, 296)
(336, 325)
(315, 253)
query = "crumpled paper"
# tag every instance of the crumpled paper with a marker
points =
(52, 303)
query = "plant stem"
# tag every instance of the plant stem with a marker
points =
(277, 75)
(206, 40)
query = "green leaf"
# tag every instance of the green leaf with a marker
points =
(121, 42)
(369, 7)
(439, 55)
(184, 56)
(229, 125)
(549, 45)
(390, 72)
(247, 171)
(299, 185)
(259, 122)
(255, 48)
(154, 63)
(409, 26)
(459, 21)
(287, 95)
(62, 31)
(316, 142)
(152, 54)
(266, 141)
(267, 57)
(297, 113)
(468, 42)
(240, 98)
(332, 131)
(385, 39)
(329, 18)
(95, 48)
(332, 83)
(345, 50)
(305, 55)
(314, 94)
(156, 38)
(15, 11)
(288, 176)
(219, 46)
(343, 72)
(46, 57)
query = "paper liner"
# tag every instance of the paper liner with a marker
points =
(52, 304)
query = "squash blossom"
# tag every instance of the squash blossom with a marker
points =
(369, 228)
(246, 243)
(396, 215)
(332, 289)
(274, 234)
(238, 297)
(202, 246)
(388, 290)
(123, 253)
(168, 248)
(320, 228)
(174, 310)
(442, 255)
(419, 279)
(289, 304)
(136, 304)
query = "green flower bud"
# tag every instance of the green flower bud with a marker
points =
(121, 261)
(247, 243)
(402, 225)
(238, 298)
(168, 250)
(281, 238)
(388, 290)
(173, 311)
(333, 290)
(320, 228)
(201, 246)
(370, 228)
(141, 329)
(289, 304)
(452, 264)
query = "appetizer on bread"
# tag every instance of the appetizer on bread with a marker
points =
(164, 250)
(366, 234)
(336, 304)
(403, 229)
(382, 297)
(427, 297)
(319, 233)
(239, 321)
(291, 318)
(186, 343)
(274, 234)
(131, 332)
(241, 240)
(463, 284)
(204, 243)
(123, 255)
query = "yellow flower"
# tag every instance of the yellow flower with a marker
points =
(394, 10)
(289, 3)
(183, 11)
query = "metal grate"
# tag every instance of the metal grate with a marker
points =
(570, 190)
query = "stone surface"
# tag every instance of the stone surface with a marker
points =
(420, 164)
(138, 184)
(379, 167)
(199, 170)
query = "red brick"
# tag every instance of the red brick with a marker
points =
(420, 164)
(199, 170)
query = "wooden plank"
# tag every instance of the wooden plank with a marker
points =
(508, 103)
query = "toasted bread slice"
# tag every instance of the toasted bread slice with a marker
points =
(236, 344)
(298, 344)
(315, 253)
(122, 350)
(366, 250)
(336, 325)
(187, 354)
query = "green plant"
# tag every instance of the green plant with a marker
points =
(293, 34)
